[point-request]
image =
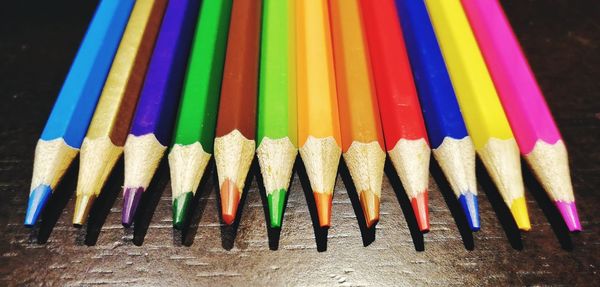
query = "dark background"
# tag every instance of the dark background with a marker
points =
(38, 40)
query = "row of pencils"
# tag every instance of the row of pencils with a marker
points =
(358, 78)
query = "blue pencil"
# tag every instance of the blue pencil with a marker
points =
(155, 113)
(452, 146)
(72, 112)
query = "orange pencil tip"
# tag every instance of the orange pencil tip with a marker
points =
(421, 210)
(230, 199)
(370, 206)
(323, 202)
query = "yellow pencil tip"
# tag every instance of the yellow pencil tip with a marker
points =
(83, 204)
(519, 212)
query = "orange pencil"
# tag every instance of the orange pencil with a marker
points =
(318, 119)
(362, 139)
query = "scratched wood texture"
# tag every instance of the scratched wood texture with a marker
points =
(37, 43)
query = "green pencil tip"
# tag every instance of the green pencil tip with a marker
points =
(180, 206)
(276, 200)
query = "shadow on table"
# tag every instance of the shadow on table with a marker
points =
(229, 232)
(409, 215)
(368, 234)
(272, 233)
(196, 208)
(56, 204)
(502, 211)
(548, 208)
(453, 205)
(320, 232)
(149, 201)
(104, 203)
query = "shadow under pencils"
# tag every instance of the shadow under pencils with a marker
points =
(548, 208)
(453, 205)
(149, 201)
(367, 234)
(57, 203)
(409, 215)
(186, 235)
(320, 232)
(229, 232)
(502, 211)
(102, 205)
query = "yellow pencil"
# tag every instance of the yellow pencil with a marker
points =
(485, 119)
(318, 119)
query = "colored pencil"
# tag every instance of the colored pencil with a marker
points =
(277, 122)
(236, 124)
(362, 139)
(481, 108)
(152, 123)
(452, 146)
(402, 121)
(64, 132)
(534, 128)
(318, 118)
(103, 143)
(195, 126)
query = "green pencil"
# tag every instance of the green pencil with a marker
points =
(195, 128)
(277, 123)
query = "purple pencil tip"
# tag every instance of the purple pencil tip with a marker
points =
(131, 199)
(568, 210)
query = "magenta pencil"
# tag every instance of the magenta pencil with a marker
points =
(530, 119)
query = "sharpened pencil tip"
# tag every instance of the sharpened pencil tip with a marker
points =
(230, 199)
(568, 211)
(276, 200)
(37, 201)
(470, 206)
(323, 203)
(131, 199)
(421, 210)
(180, 207)
(518, 209)
(369, 202)
(83, 205)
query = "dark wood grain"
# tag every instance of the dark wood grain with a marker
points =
(37, 43)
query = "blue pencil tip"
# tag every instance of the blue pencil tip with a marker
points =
(37, 200)
(468, 202)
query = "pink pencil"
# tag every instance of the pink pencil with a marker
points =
(530, 119)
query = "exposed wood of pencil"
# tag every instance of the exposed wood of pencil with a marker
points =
(142, 156)
(551, 165)
(362, 140)
(103, 144)
(233, 157)
(456, 158)
(52, 160)
(318, 118)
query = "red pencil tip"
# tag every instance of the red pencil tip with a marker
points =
(230, 199)
(323, 203)
(421, 210)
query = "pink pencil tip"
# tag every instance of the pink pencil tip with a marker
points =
(568, 210)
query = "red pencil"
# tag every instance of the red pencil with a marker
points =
(403, 126)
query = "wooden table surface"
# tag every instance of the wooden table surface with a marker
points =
(37, 44)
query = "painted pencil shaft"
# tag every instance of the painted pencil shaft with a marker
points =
(402, 121)
(155, 111)
(479, 103)
(277, 122)
(362, 139)
(196, 120)
(528, 114)
(318, 118)
(236, 124)
(103, 143)
(452, 146)
(72, 112)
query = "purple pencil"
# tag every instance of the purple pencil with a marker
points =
(155, 112)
